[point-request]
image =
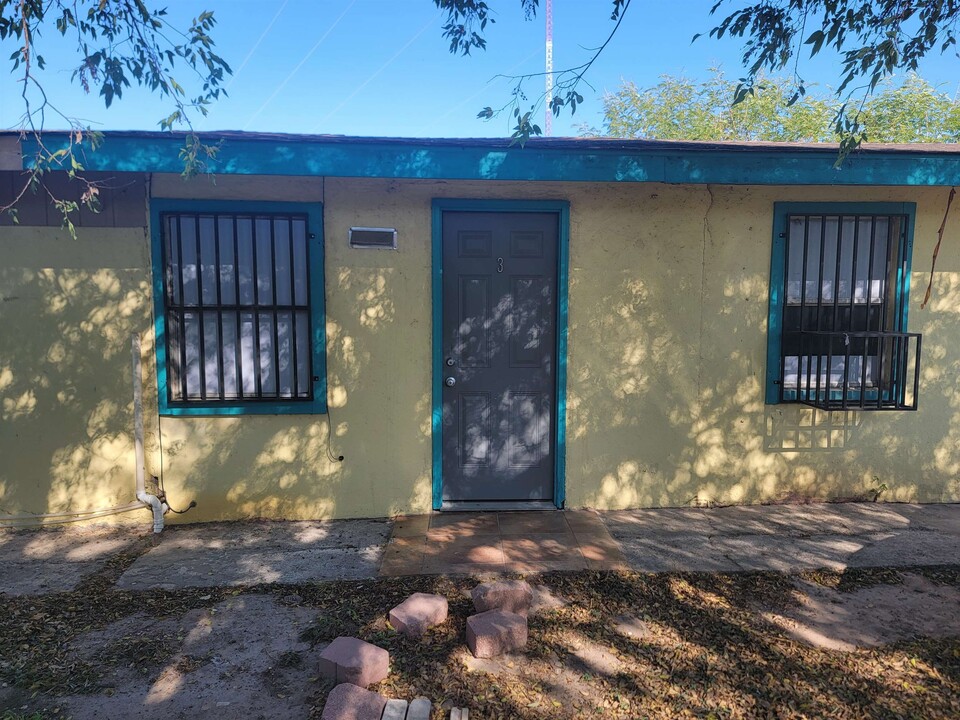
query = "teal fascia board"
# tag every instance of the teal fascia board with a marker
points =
(778, 263)
(314, 212)
(436, 233)
(473, 161)
(562, 209)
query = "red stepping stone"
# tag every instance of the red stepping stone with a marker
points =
(350, 660)
(495, 632)
(349, 702)
(418, 613)
(511, 595)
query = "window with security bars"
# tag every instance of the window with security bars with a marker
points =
(237, 307)
(842, 310)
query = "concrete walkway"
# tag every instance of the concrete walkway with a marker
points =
(786, 538)
(775, 537)
(248, 553)
(454, 543)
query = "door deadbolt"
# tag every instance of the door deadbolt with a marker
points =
(449, 362)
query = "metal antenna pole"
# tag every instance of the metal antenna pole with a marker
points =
(548, 120)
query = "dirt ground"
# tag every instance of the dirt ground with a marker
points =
(871, 616)
(868, 643)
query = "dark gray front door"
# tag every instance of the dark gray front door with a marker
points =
(499, 355)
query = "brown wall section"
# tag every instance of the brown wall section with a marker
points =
(122, 199)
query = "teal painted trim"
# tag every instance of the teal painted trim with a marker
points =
(249, 408)
(853, 396)
(778, 261)
(471, 161)
(436, 274)
(910, 210)
(563, 304)
(562, 209)
(314, 213)
(778, 268)
(159, 311)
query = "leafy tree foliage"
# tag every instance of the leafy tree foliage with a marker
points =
(118, 43)
(465, 24)
(678, 108)
(875, 40)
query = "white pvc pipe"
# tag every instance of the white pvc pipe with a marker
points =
(159, 508)
(25, 520)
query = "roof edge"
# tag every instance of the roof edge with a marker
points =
(579, 143)
(543, 159)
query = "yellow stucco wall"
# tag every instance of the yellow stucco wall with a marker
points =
(668, 308)
(667, 347)
(67, 310)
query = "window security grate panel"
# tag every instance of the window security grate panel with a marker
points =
(237, 291)
(842, 343)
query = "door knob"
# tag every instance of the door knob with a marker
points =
(450, 381)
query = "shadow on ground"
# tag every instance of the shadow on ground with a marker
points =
(620, 645)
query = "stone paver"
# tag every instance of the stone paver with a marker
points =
(478, 543)
(419, 709)
(467, 549)
(351, 660)
(349, 702)
(418, 613)
(260, 552)
(495, 632)
(514, 596)
(395, 710)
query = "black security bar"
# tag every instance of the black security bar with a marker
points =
(854, 370)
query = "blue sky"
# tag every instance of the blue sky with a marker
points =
(381, 67)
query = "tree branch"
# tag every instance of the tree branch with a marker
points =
(936, 249)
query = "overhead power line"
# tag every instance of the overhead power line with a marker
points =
(379, 70)
(300, 64)
(256, 45)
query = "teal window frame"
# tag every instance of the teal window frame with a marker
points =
(778, 262)
(315, 254)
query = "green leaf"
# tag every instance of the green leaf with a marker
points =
(816, 39)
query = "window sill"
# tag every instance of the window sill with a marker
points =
(314, 407)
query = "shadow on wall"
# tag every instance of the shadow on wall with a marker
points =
(667, 370)
(68, 309)
(665, 394)
(286, 466)
(810, 431)
(939, 373)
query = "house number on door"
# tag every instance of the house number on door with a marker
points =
(499, 264)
